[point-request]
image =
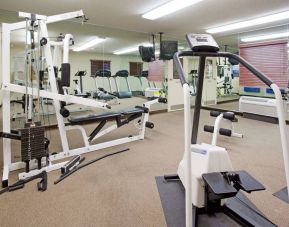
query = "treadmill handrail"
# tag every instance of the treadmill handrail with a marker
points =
(241, 60)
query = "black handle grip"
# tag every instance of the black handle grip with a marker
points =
(225, 132)
(229, 116)
(215, 113)
(209, 128)
(108, 106)
(149, 125)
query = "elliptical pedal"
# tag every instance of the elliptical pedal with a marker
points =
(227, 184)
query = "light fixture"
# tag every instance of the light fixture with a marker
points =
(89, 44)
(131, 49)
(168, 8)
(250, 23)
(265, 37)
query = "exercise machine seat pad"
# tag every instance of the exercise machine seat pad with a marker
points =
(121, 73)
(104, 116)
(130, 111)
(94, 117)
(103, 73)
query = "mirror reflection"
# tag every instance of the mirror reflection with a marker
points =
(127, 68)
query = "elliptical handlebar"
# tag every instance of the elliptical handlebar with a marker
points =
(239, 59)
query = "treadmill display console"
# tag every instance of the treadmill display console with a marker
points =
(202, 42)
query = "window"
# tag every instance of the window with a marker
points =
(96, 65)
(269, 57)
(135, 68)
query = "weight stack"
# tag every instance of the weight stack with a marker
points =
(32, 143)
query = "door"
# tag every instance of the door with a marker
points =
(175, 91)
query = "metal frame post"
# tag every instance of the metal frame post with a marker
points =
(198, 102)
(6, 102)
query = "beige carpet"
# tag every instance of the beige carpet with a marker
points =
(121, 190)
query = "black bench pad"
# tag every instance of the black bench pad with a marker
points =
(132, 111)
(104, 116)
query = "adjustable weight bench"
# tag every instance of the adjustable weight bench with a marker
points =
(121, 118)
(138, 110)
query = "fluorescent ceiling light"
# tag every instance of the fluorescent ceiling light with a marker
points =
(131, 49)
(250, 23)
(169, 8)
(89, 44)
(265, 37)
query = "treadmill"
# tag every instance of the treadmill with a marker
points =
(122, 94)
(144, 74)
(101, 93)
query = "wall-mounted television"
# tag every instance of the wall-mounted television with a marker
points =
(147, 53)
(168, 49)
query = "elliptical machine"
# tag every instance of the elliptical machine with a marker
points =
(211, 185)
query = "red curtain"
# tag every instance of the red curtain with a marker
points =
(271, 58)
(156, 70)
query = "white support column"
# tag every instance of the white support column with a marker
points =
(187, 154)
(53, 85)
(6, 99)
(0, 64)
(56, 56)
(144, 119)
(145, 116)
(283, 131)
(216, 129)
(66, 42)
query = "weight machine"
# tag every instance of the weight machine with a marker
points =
(56, 93)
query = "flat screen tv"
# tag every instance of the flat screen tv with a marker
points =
(168, 49)
(147, 53)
